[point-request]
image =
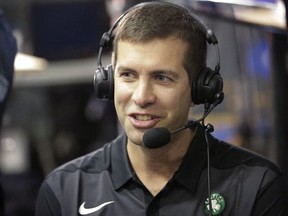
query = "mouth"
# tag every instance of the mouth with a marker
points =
(142, 117)
(144, 121)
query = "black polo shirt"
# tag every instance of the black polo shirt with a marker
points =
(104, 183)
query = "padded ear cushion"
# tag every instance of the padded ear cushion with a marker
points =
(207, 87)
(104, 82)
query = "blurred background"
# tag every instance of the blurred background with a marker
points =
(52, 115)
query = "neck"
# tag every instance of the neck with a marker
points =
(155, 167)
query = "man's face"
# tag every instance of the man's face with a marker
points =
(151, 86)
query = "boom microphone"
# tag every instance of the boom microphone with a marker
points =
(158, 137)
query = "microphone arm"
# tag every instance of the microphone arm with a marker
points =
(206, 113)
(158, 137)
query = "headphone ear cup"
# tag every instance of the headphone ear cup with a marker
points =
(207, 87)
(104, 82)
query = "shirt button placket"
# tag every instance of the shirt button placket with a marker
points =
(152, 212)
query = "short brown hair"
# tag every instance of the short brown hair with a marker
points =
(153, 20)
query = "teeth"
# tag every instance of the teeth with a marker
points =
(143, 117)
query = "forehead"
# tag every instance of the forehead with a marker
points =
(153, 56)
(166, 51)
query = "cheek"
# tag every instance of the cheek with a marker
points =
(122, 95)
(182, 103)
(173, 104)
(118, 96)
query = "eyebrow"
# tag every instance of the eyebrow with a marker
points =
(155, 72)
(123, 68)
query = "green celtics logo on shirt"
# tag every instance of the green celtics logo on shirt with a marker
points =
(217, 204)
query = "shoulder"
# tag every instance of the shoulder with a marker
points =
(228, 155)
(246, 167)
(93, 163)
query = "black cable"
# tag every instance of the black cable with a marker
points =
(208, 129)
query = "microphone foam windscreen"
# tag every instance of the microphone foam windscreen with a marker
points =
(156, 137)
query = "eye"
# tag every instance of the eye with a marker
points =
(162, 78)
(127, 75)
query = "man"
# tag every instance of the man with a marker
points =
(159, 52)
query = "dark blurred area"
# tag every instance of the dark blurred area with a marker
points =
(72, 29)
(52, 115)
(8, 50)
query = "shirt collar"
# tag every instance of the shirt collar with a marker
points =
(121, 168)
(194, 161)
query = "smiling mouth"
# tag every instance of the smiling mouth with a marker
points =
(143, 121)
(143, 117)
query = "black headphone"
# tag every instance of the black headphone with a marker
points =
(207, 86)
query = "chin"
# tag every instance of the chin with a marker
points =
(135, 138)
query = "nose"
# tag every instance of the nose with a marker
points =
(143, 94)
